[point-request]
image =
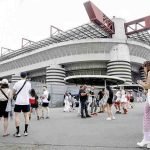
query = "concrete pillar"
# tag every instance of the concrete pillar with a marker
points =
(142, 73)
(15, 78)
(119, 29)
(55, 75)
(119, 64)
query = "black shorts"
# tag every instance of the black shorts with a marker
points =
(23, 108)
(3, 105)
(109, 101)
(34, 105)
(45, 104)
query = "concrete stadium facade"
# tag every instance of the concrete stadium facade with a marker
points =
(115, 56)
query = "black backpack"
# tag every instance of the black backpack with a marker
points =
(49, 97)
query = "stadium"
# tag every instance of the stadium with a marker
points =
(103, 46)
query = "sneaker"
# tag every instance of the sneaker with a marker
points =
(148, 145)
(17, 134)
(143, 143)
(113, 118)
(117, 112)
(25, 133)
(100, 111)
(47, 117)
(83, 117)
(88, 116)
(108, 118)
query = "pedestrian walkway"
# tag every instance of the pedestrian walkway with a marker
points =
(67, 131)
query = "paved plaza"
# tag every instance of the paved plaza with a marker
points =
(67, 131)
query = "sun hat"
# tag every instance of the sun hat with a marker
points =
(4, 81)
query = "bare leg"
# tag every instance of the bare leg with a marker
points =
(5, 126)
(43, 112)
(37, 112)
(108, 111)
(105, 108)
(26, 117)
(17, 120)
(47, 110)
(119, 107)
(30, 113)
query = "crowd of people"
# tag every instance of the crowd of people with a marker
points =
(122, 100)
(91, 103)
(21, 98)
(24, 99)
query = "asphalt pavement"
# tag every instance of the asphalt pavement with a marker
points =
(67, 131)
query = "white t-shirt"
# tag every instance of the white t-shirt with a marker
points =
(45, 97)
(24, 94)
(118, 94)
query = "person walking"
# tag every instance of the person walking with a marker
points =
(117, 102)
(93, 104)
(34, 103)
(79, 108)
(5, 96)
(146, 118)
(100, 97)
(67, 107)
(45, 103)
(124, 101)
(22, 90)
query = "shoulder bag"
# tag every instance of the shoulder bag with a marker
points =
(15, 96)
(8, 107)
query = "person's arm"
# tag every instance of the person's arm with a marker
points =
(84, 94)
(30, 88)
(10, 94)
(14, 90)
(148, 78)
(144, 84)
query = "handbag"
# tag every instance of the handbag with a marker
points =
(8, 107)
(15, 95)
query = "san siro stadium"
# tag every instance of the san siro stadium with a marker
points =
(104, 46)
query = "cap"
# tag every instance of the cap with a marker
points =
(4, 81)
(23, 74)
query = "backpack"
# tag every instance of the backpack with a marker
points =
(49, 97)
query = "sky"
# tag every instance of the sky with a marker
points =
(31, 19)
